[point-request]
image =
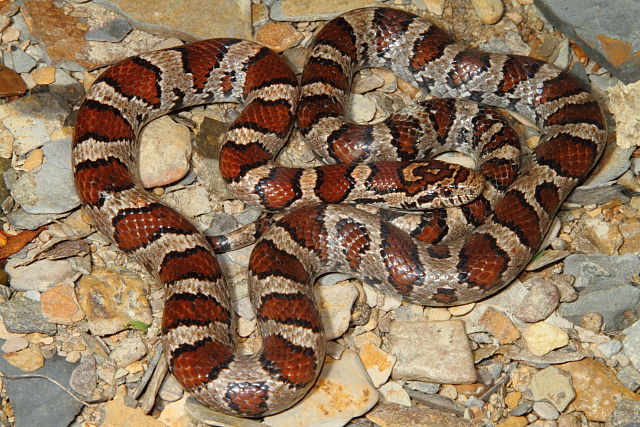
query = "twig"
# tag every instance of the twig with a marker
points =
(69, 391)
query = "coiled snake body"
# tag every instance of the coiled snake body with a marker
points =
(323, 231)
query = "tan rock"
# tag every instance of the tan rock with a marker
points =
(33, 160)
(28, 360)
(433, 6)
(59, 305)
(44, 75)
(110, 300)
(489, 11)
(188, 19)
(165, 152)
(61, 33)
(461, 310)
(630, 231)
(500, 326)
(543, 337)
(378, 363)
(514, 422)
(175, 415)
(117, 414)
(278, 36)
(597, 389)
(512, 399)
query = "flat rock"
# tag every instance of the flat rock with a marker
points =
(84, 377)
(113, 31)
(61, 33)
(34, 120)
(392, 414)
(39, 275)
(604, 286)
(431, 351)
(59, 305)
(597, 389)
(553, 385)
(607, 31)
(626, 413)
(631, 343)
(311, 10)
(39, 402)
(500, 326)
(21, 315)
(187, 19)
(128, 351)
(342, 392)
(118, 414)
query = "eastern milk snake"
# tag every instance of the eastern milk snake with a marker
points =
(322, 231)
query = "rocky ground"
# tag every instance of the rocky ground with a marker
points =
(80, 321)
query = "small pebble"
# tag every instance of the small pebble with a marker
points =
(461, 310)
(489, 11)
(44, 75)
(543, 337)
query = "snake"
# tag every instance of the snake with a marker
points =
(329, 216)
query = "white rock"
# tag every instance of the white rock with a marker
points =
(335, 304)
(394, 393)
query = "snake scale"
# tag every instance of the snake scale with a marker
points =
(321, 229)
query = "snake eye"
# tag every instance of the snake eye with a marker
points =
(446, 192)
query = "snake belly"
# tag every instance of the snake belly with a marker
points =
(321, 231)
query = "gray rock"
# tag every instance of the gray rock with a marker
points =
(50, 188)
(540, 302)
(128, 351)
(40, 275)
(113, 31)
(587, 21)
(631, 344)
(33, 119)
(248, 216)
(522, 408)
(610, 348)
(37, 401)
(84, 377)
(599, 195)
(629, 377)
(626, 414)
(222, 223)
(545, 410)
(604, 285)
(423, 387)
(26, 221)
(22, 62)
(22, 315)
(614, 162)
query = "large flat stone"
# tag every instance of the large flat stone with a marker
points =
(607, 30)
(436, 352)
(187, 19)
